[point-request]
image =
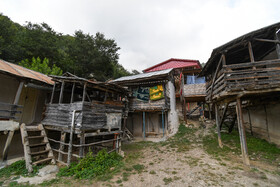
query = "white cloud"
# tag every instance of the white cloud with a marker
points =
(150, 32)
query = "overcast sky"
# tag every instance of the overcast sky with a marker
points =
(151, 31)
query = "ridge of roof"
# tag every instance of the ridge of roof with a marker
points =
(169, 60)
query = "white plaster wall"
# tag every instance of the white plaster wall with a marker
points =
(173, 120)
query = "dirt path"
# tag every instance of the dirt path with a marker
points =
(165, 166)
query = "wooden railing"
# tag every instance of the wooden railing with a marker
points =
(251, 76)
(8, 111)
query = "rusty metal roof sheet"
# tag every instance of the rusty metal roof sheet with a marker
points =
(20, 71)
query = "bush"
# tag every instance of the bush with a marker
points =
(92, 166)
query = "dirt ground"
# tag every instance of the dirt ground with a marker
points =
(157, 165)
(166, 166)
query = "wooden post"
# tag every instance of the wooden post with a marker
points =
(16, 100)
(61, 148)
(242, 133)
(162, 121)
(144, 126)
(215, 76)
(210, 111)
(218, 125)
(251, 52)
(51, 101)
(249, 116)
(72, 93)
(61, 92)
(185, 111)
(223, 116)
(84, 92)
(82, 142)
(7, 145)
(277, 44)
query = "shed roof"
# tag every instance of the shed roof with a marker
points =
(68, 77)
(264, 48)
(143, 76)
(19, 71)
(173, 63)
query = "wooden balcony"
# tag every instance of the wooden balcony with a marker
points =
(245, 78)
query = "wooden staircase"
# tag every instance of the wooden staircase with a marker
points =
(128, 134)
(36, 146)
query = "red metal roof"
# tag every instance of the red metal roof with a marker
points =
(24, 72)
(173, 63)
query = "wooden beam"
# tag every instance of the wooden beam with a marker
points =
(218, 125)
(277, 44)
(223, 115)
(242, 133)
(267, 40)
(7, 146)
(144, 133)
(61, 92)
(82, 141)
(251, 53)
(61, 148)
(16, 100)
(224, 59)
(84, 92)
(51, 101)
(214, 77)
(72, 93)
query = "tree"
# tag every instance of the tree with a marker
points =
(41, 66)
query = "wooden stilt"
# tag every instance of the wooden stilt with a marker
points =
(144, 133)
(7, 145)
(242, 133)
(61, 148)
(223, 116)
(218, 125)
(82, 142)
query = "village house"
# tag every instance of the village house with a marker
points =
(159, 95)
(190, 89)
(243, 85)
(22, 100)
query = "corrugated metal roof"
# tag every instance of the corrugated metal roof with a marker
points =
(173, 63)
(144, 75)
(24, 72)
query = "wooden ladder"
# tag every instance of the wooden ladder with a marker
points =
(37, 148)
(128, 134)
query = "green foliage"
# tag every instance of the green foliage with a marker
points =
(18, 168)
(82, 54)
(41, 66)
(257, 147)
(92, 166)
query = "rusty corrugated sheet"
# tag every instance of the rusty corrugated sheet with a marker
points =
(24, 72)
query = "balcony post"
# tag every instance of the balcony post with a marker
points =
(242, 133)
(251, 52)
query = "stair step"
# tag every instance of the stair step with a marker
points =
(34, 137)
(41, 161)
(32, 128)
(39, 152)
(38, 145)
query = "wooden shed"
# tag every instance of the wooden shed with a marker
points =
(243, 81)
(85, 113)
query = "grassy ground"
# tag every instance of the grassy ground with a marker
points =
(258, 149)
